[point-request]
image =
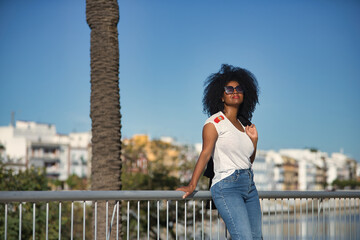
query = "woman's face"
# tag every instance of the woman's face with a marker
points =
(233, 94)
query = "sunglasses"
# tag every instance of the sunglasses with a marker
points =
(230, 89)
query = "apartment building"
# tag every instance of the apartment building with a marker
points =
(268, 170)
(30, 144)
(301, 169)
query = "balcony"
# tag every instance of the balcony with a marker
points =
(165, 215)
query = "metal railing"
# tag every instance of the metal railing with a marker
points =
(285, 214)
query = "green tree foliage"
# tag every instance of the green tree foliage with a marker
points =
(32, 180)
(35, 180)
(341, 184)
(28, 180)
(76, 183)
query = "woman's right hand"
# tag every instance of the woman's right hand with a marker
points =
(189, 189)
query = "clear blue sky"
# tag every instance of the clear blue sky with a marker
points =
(305, 55)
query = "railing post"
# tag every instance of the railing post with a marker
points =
(148, 220)
(84, 219)
(20, 219)
(59, 221)
(107, 220)
(262, 213)
(47, 221)
(117, 220)
(312, 218)
(295, 216)
(282, 216)
(167, 220)
(185, 221)
(34, 220)
(276, 220)
(300, 222)
(95, 220)
(72, 221)
(128, 221)
(138, 220)
(202, 219)
(288, 217)
(158, 220)
(194, 228)
(269, 217)
(176, 214)
(5, 230)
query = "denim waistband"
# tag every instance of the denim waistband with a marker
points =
(243, 170)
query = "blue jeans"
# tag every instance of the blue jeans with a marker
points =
(237, 201)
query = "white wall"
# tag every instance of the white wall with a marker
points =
(15, 147)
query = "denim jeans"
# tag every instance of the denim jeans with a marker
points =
(237, 201)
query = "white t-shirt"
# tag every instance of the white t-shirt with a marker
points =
(232, 149)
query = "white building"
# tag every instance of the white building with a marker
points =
(315, 169)
(268, 173)
(312, 167)
(80, 154)
(51, 156)
(340, 166)
(18, 140)
(37, 144)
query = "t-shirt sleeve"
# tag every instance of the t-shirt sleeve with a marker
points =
(217, 126)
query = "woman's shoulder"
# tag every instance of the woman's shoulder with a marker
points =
(215, 118)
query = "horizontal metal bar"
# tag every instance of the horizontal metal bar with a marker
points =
(42, 196)
(309, 194)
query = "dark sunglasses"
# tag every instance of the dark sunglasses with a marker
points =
(230, 89)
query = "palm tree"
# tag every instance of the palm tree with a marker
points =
(102, 17)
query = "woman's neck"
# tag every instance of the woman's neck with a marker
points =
(231, 112)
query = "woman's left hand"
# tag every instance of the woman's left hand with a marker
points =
(252, 133)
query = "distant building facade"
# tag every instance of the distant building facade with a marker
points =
(30, 144)
(80, 154)
(264, 169)
(302, 169)
(35, 144)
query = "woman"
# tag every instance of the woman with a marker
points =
(230, 98)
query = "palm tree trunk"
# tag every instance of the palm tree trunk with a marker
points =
(102, 18)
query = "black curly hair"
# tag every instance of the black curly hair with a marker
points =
(214, 90)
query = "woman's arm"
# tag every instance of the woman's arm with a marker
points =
(252, 133)
(209, 136)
